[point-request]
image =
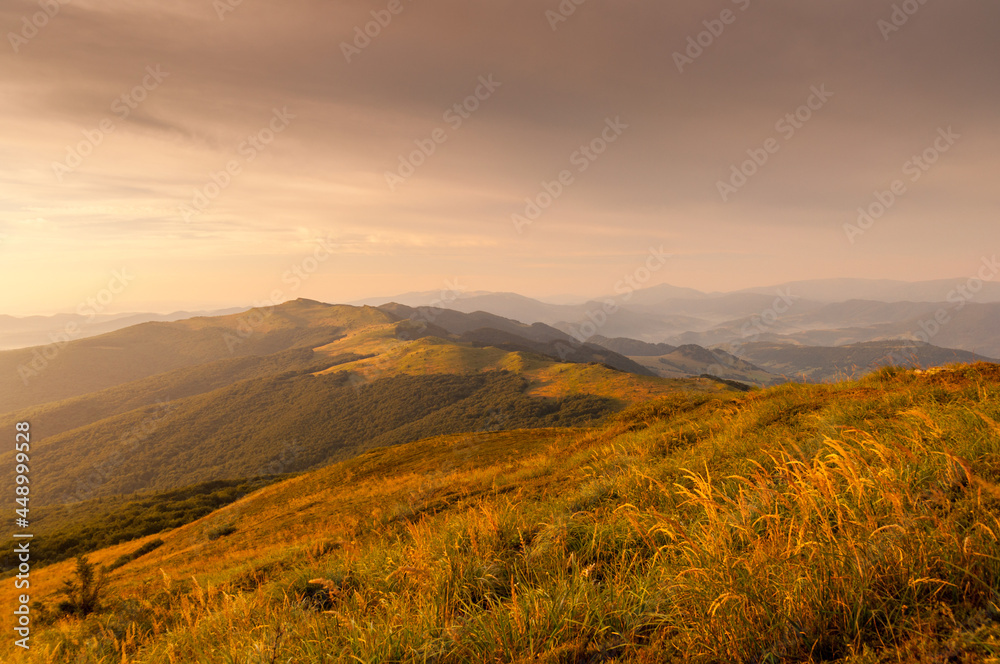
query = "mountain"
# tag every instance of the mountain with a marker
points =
(692, 360)
(883, 290)
(820, 313)
(632, 346)
(164, 405)
(22, 332)
(794, 524)
(33, 376)
(299, 385)
(484, 329)
(800, 320)
(653, 295)
(970, 327)
(570, 319)
(458, 322)
(823, 364)
(507, 305)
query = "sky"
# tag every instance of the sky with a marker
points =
(178, 154)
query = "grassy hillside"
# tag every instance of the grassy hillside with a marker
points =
(57, 417)
(298, 421)
(691, 360)
(66, 531)
(98, 363)
(485, 329)
(855, 522)
(368, 384)
(381, 353)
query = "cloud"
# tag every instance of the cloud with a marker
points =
(354, 121)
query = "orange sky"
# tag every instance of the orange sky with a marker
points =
(223, 153)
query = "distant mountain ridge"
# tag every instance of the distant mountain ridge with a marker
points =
(825, 364)
(883, 290)
(830, 312)
(26, 331)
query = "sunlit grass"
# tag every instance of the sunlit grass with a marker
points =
(857, 522)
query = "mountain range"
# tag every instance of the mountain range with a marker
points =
(162, 405)
(319, 460)
(957, 314)
(165, 405)
(25, 331)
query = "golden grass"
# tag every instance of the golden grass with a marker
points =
(857, 522)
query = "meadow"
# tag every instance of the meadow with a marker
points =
(850, 522)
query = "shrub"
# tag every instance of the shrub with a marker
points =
(83, 594)
(221, 531)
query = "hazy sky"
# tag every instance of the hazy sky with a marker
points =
(116, 115)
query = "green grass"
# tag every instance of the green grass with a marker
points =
(856, 522)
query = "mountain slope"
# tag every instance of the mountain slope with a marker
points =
(627, 346)
(27, 331)
(485, 329)
(883, 290)
(302, 420)
(372, 380)
(27, 378)
(820, 363)
(853, 523)
(57, 417)
(693, 360)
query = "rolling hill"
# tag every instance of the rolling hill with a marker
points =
(849, 523)
(33, 376)
(819, 363)
(27, 331)
(691, 360)
(816, 313)
(306, 384)
(486, 329)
